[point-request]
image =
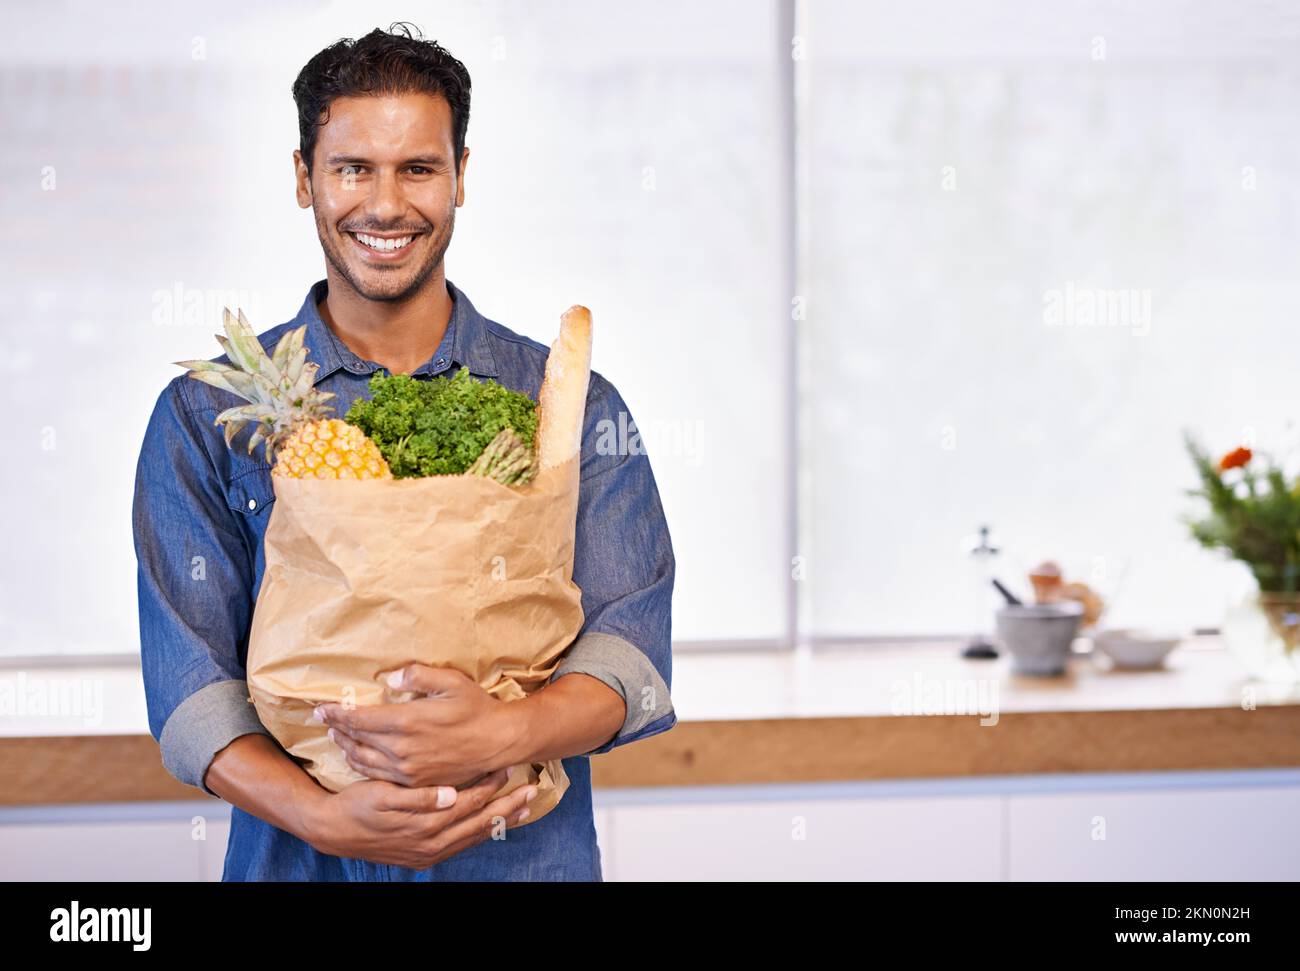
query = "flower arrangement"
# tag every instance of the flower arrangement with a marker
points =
(1254, 514)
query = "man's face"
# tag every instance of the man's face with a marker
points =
(383, 175)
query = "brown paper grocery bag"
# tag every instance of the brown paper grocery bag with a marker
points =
(364, 576)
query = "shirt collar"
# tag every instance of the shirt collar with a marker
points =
(465, 343)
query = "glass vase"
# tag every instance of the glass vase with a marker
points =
(1263, 632)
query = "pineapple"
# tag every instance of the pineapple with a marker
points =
(287, 414)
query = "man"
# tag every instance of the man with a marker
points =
(382, 163)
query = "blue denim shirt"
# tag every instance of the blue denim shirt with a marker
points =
(199, 516)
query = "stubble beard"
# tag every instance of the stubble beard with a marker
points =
(395, 291)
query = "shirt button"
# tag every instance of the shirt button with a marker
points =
(252, 503)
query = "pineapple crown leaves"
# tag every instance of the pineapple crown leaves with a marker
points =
(279, 389)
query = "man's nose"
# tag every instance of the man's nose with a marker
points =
(387, 204)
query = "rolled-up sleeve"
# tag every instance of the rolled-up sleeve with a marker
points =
(194, 584)
(623, 562)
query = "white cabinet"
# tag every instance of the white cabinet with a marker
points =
(140, 850)
(1161, 826)
(945, 838)
(1178, 834)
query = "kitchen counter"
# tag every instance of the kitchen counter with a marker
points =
(857, 712)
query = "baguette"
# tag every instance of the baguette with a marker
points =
(562, 402)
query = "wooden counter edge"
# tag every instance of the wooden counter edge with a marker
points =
(80, 769)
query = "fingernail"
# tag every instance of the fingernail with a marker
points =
(510, 772)
(317, 715)
(525, 814)
(395, 679)
(446, 796)
(330, 734)
(532, 792)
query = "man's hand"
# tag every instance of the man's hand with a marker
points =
(452, 735)
(415, 828)
(459, 731)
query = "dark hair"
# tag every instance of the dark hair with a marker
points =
(395, 61)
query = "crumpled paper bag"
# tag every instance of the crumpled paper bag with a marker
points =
(364, 576)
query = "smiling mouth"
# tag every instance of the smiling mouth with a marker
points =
(383, 244)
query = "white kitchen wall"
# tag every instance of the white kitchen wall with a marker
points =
(972, 171)
(622, 158)
(968, 171)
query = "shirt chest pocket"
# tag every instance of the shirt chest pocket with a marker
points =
(250, 493)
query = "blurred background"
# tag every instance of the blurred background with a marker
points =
(946, 170)
(869, 275)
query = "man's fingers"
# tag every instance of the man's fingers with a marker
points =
(510, 806)
(379, 775)
(418, 799)
(425, 679)
(480, 835)
(365, 718)
(483, 824)
(371, 763)
(424, 799)
(361, 753)
(372, 744)
(514, 802)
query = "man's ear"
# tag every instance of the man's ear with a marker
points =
(460, 180)
(302, 181)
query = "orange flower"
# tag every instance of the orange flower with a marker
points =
(1234, 459)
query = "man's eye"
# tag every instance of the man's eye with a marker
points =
(350, 170)
(420, 170)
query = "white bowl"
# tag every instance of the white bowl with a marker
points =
(1132, 648)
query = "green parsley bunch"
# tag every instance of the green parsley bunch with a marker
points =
(444, 426)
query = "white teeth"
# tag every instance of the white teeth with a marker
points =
(374, 242)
